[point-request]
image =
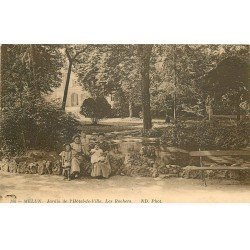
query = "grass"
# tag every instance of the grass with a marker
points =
(105, 128)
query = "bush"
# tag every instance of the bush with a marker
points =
(95, 109)
(42, 126)
(155, 132)
(103, 108)
(88, 108)
(207, 135)
(122, 110)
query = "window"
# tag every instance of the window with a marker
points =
(74, 99)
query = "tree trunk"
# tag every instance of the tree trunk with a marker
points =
(3, 63)
(33, 83)
(175, 84)
(3, 60)
(66, 86)
(144, 52)
(174, 109)
(1, 51)
(130, 108)
(238, 117)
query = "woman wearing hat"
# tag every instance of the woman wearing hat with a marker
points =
(77, 156)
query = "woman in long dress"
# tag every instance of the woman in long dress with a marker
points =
(100, 164)
(77, 156)
(86, 165)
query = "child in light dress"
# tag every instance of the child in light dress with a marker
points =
(66, 157)
(97, 156)
(100, 165)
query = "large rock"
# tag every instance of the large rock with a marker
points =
(13, 167)
(172, 155)
(189, 172)
(32, 156)
(56, 167)
(170, 169)
(41, 167)
(21, 167)
(116, 161)
(48, 167)
(32, 168)
(4, 165)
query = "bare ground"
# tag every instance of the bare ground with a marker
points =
(33, 188)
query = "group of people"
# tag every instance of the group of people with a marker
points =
(78, 155)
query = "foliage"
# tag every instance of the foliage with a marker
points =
(153, 133)
(28, 122)
(112, 69)
(180, 70)
(103, 108)
(101, 73)
(92, 71)
(226, 86)
(207, 135)
(88, 108)
(124, 74)
(42, 126)
(174, 70)
(28, 71)
(96, 109)
(72, 53)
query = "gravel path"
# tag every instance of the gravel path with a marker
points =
(36, 188)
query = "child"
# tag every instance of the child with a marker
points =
(97, 156)
(66, 161)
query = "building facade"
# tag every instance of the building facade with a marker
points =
(76, 93)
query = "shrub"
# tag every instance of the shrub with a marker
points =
(42, 126)
(206, 135)
(122, 110)
(95, 109)
(88, 108)
(103, 108)
(155, 132)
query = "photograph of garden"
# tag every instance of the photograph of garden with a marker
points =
(124, 123)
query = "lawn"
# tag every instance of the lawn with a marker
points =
(109, 125)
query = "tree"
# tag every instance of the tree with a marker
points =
(172, 85)
(3, 58)
(72, 52)
(103, 108)
(180, 77)
(95, 109)
(210, 60)
(28, 72)
(3, 55)
(123, 74)
(175, 82)
(88, 109)
(144, 53)
(227, 85)
(112, 69)
(92, 71)
(130, 83)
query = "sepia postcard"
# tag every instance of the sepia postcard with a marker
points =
(124, 123)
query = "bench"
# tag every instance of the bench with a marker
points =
(203, 168)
